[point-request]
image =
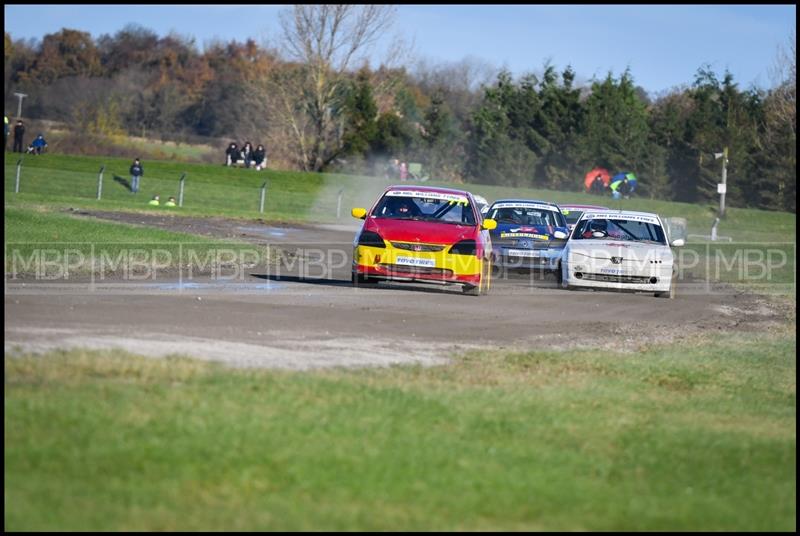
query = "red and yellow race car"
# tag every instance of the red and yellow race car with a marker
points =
(424, 234)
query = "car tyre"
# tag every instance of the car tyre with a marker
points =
(471, 290)
(361, 280)
(498, 271)
(482, 288)
(670, 294)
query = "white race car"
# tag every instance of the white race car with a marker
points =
(622, 250)
(482, 204)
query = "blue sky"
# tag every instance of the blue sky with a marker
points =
(662, 44)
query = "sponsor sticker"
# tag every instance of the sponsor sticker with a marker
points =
(516, 235)
(522, 253)
(538, 206)
(612, 271)
(525, 235)
(619, 216)
(415, 261)
(455, 198)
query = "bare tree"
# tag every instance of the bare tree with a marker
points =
(782, 104)
(324, 42)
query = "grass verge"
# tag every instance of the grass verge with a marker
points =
(55, 246)
(697, 435)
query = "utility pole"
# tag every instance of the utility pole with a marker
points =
(20, 96)
(723, 186)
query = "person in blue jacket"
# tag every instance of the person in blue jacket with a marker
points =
(38, 145)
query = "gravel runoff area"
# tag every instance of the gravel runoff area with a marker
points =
(281, 319)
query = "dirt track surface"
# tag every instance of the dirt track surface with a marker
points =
(266, 319)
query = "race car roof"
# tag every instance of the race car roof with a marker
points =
(650, 217)
(427, 189)
(500, 203)
(582, 207)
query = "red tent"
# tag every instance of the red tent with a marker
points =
(589, 179)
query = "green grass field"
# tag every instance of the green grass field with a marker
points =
(696, 436)
(55, 245)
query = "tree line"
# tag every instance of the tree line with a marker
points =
(318, 105)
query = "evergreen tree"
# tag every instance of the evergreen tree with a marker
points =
(439, 139)
(361, 114)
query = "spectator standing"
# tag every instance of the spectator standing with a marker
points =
(39, 144)
(19, 134)
(260, 157)
(393, 169)
(5, 132)
(136, 172)
(403, 171)
(231, 154)
(598, 185)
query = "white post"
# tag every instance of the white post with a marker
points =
(100, 183)
(20, 96)
(16, 184)
(263, 195)
(724, 182)
(339, 204)
(180, 190)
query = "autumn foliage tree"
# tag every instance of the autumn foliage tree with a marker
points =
(317, 104)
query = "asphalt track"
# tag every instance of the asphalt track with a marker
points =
(289, 316)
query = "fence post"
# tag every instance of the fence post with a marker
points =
(16, 183)
(100, 183)
(263, 195)
(339, 204)
(180, 191)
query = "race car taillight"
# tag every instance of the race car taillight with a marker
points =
(465, 247)
(371, 239)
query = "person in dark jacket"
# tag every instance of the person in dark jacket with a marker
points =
(136, 172)
(232, 154)
(598, 185)
(625, 188)
(19, 133)
(247, 154)
(260, 158)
